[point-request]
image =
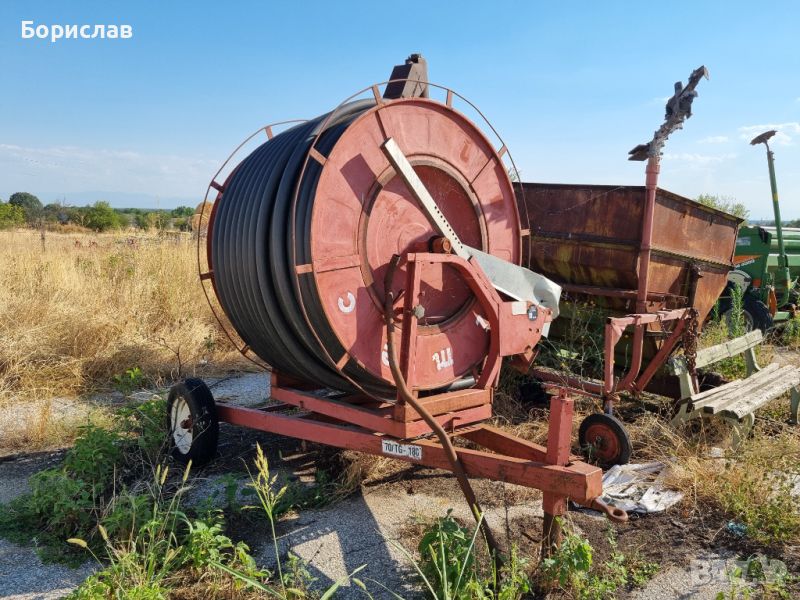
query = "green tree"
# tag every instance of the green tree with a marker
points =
(78, 214)
(28, 203)
(157, 219)
(11, 216)
(725, 204)
(55, 213)
(182, 211)
(101, 217)
(125, 219)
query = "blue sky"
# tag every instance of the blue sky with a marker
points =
(570, 86)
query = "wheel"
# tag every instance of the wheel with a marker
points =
(192, 422)
(605, 439)
(755, 314)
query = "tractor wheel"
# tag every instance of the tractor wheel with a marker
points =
(604, 439)
(192, 422)
(755, 313)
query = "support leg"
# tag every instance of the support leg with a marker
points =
(741, 429)
(795, 404)
(554, 508)
(558, 445)
(682, 415)
(750, 361)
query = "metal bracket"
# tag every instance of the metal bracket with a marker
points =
(512, 280)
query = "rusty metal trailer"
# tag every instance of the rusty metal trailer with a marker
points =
(652, 261)
(590, 240)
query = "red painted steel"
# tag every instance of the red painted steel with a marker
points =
(365, 214)
(381, 421)
(558, 444)
(575, 480)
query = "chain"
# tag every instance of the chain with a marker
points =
(690, 340)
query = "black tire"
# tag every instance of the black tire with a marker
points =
(194, 437)
(605, 440)
(755, 312)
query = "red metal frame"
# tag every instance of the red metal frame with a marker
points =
(359, 422)
(503, 457)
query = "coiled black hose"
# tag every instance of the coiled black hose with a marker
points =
(251, 256)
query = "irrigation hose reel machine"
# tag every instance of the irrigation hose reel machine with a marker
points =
(370, 258)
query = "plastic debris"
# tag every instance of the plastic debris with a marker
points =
(638, 488)
(736, 528)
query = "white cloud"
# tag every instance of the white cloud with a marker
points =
(699, 159)
(74, 168)
(713, 139)
(784, 137)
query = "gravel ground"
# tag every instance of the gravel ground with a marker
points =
(334, 540)
(365, 530)
(703, 579)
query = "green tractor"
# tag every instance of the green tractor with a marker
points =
(767, 263)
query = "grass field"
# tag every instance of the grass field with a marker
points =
(83, 313)
(79, 312)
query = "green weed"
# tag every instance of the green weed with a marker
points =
(67, 502)
(762, 500)
(450, 570)
(571, 567)
(758, 576)
(293, 579)
(165, 547)
(131, 380)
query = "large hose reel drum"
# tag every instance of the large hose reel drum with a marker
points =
(304, 227)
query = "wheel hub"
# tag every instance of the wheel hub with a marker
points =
(604, 442)
(182, 425)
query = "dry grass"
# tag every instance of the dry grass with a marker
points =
(89, 307)
(751, 485)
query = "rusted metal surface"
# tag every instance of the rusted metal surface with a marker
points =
(591, 235)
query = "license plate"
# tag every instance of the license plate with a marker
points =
(404, 450)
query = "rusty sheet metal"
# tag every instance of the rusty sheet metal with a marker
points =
(590, 235)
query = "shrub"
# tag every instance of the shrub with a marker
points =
(30, 205)
(11, 216)
(571, 568)
(101, 217)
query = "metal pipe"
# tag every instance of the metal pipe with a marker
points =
(643, 272)
(651, 187)
(783, 260)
